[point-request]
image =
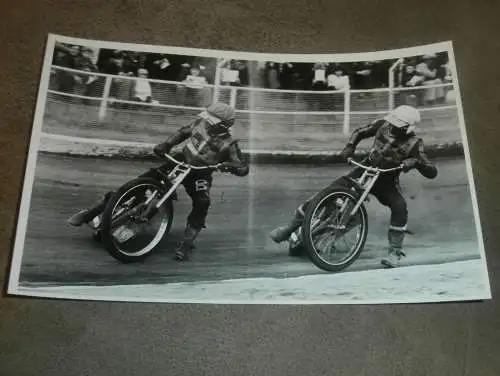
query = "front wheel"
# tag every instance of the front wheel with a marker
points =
(327, 225)
(130, 216)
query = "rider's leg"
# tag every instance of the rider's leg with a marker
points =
(87, 215)
(282, 233)
(392, 197)
(198, 188)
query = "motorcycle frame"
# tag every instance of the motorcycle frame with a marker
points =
(177, 175)
(366, 182)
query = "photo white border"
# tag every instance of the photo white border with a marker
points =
(29, 173)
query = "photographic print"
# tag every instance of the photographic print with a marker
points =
(172, 174)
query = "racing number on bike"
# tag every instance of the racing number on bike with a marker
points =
(201, 185)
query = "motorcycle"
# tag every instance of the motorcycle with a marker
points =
(132, 209)
(331, 215)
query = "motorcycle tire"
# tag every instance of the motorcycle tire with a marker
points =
(306, 229)
(106, 233)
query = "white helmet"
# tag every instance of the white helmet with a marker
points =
(404, 116)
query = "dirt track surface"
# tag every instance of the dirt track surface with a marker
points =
(243, 211)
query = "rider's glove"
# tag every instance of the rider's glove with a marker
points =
(161, 149)
(347, 152)
(409, 164)
(222, 167)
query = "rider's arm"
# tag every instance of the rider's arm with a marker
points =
(179, 136)
(423, 164)
(367, 131)
(236, 163)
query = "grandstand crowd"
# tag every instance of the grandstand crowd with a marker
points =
(195, 72)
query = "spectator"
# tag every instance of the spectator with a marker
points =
(288, 80)
(66, 57)
(234, 74)
(446, 75)
(337, 80)
(78, 58)
(114, 64)
(407, 77)
(272, 75)
(427, 70)
(361, 75)
(318, 83)
(287, 76)
(184, 71)
(319, 76)
(121, 90)
(243, 74)
(194, 92)
(87, 84)
(142, 91)
(380, 73)
(162, 69)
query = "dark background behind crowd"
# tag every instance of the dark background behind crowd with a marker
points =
(197, 71)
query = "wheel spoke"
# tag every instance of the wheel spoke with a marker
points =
(323, 238)
(147, 227)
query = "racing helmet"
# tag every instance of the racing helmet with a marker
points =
(222, 112)
(404, 118)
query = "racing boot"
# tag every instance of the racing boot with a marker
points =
(282, 233)
(186, 247)
(87, 215)
(395, 254)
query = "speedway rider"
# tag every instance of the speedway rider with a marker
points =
(206, 141)
(395, 143)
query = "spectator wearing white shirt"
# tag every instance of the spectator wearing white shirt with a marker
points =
(142, 90)
(338, 81)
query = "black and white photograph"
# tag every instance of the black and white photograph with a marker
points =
(181, 175)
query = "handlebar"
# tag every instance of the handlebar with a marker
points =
(209, 167)
(352, 161)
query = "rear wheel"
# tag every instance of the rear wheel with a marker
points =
(327, 227)
(130, 216)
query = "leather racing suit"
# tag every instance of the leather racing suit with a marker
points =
(203, 142)
(389, 149)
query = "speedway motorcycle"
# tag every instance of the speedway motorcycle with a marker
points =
(331, 218)
(141, 206)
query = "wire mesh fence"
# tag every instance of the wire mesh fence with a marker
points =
(125, 108)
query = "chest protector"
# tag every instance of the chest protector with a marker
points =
(388, 151)
(204, 147)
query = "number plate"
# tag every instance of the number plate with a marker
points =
(122, 234)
